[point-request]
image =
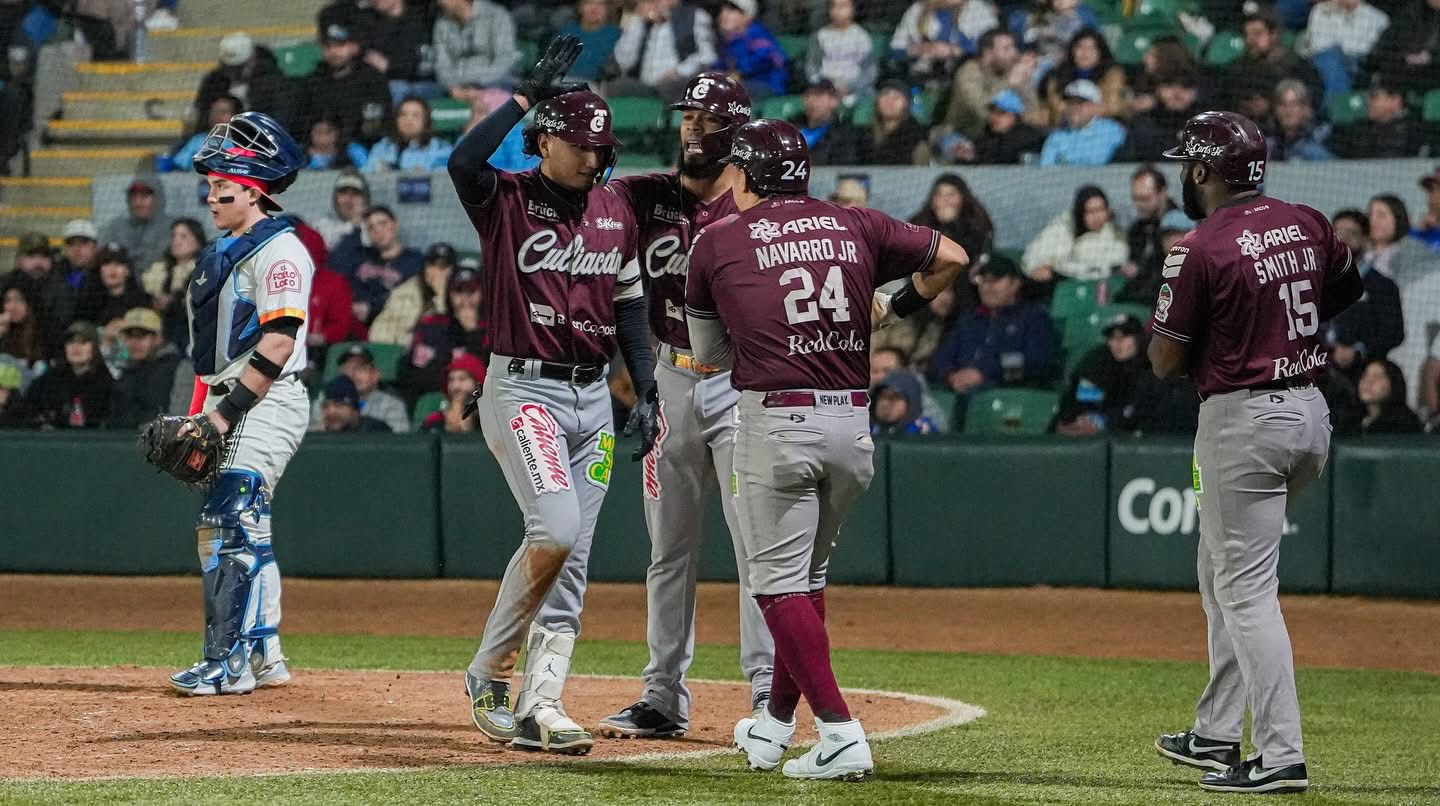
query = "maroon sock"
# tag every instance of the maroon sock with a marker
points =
(784, 693)
(817, 600)
(796, 626)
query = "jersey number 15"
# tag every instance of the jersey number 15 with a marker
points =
(801, 305)
(1301, 315)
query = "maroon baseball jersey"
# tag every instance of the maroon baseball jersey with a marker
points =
(792, 280)
(552, 271)
(1244, 288)
(668, 217)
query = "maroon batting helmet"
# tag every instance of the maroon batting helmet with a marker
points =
(774, 155)
(579, 118)
(722, 96)
(1231, 145)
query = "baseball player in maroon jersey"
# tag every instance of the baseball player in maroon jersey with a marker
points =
(781, 292)
(1241, 309)
(693, 454)
(556, 244)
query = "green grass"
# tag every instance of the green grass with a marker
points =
(1059, 731)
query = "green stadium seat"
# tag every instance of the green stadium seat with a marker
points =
(1133, 42)
(449, 116)
(928, 102)
(880, 40)
(298, 60)
(637, 114)
(783, 107)
(1348, 108)
(1011, 411)
(944, 398)
(1083, 332)
(643, 160)
(862, 114)
(1430, 108)
(1073, 299)
(1224, 48)
(387, 358)
(795, 47)
(428, 404)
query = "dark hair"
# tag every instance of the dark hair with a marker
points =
(972, 228)
(899, 353)
(342, 141)
(987, 39)
(235, 103)
(382, 209)
(1083, 195)
(1398, 394)
(1065, 72)
(426, 134)
(1398, 210)
(1354, 215)
(1265, 16)
(25, 340)
(195, 228)
(1148, 170)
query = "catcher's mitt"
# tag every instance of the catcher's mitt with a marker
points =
(193, 458)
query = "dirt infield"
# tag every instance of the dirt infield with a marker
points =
(126, 722)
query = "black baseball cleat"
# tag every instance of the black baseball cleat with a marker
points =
(1252, 776)
(639, 721)
(1195, 751)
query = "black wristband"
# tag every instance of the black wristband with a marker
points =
(233, 405)
(266, 367)
(907, 300)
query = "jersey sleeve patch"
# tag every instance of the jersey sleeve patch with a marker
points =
(1174, 262)
(282, 277)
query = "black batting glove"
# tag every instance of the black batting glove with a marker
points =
(645, 420)
(547, 78)
(473, 404)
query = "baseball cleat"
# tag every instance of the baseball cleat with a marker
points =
(764, 739)
(843, 754)
(272, 676)
(210, 677)
(1252, 776)
(639, 721)
(490, 708)
(563, 737)
(1195, 751)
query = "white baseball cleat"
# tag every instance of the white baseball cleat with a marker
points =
(764, 738)
(276, 674)
(210, 677)
(842, 754)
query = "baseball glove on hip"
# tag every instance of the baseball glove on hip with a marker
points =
(192, 457)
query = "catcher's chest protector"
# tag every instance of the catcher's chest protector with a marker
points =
(214, 308)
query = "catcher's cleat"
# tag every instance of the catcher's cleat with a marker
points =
(210, 677)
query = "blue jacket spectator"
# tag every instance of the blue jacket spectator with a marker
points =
(1003, 342)
(329, 150)
(1046, 32)
(412, 146)
(897, 406)
(598, 35)
(932, 38)
(748, 50)
(1088, 139)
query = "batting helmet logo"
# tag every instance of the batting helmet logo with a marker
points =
(1231, 145)
(597, 123)
(723, 97)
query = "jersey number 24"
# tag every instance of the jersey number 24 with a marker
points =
(801, 305)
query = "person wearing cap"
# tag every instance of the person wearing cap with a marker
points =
(344, 89)
(474, 45)
(1000, 68)
(340, 410)
(76, 392)
(1087, 138)
(249, 72)
(1152, 131)
(82, 249)
(438, 336)
(112, 290)
(1100, 394)
(349, 199)
(381, 267)
(1427, 229)
(1005, 341)
(144, 229)
(664, 44)
(934, 35)
(152, 380)
(463, 374)
(1388, 131)
(894, 137)
(1007, 139)
(43, 284)
(842, 52)
(224, 107)
(748, 52)
(832, 141)
(358, 364)
(420, 296)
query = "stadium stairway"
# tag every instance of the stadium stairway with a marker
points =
(116, 116)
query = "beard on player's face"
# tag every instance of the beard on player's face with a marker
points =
(1190, 198)
(700, 166)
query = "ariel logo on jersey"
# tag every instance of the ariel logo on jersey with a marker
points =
(848, 341)
(608, 223)
(663, 256)
(1303, 362)
(542, 211)
(651, 464)
(1163, 302)
(282, 277)
(1250, 244)
(598, 471)
(537, 436)
(538, 253)
(1253, 245)
(766, 230)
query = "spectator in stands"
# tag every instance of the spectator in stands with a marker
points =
(250, 73)
(1428, 230)
(1375, 324)
(1388, 131)
(1153, 131)
(150, 377)
(1003, 342)
(51, 297)
(475, 49)
(224, 107)
(1088, 59)
(357, 365)
(918, 335)
(1046, 29)
(17, 98)
(1410, 47)
(1088, 138)
(76, 393)
(461, 377)
(81, 252)
(1266, 62)
(1166, 56)
(894, 137)
(12, 380)
(145, 229)
(111, 291)
(439, 337)
(167, 278)
(664, 44)
(749, 52)
(597, 33)
(843, 53)
(397, 44)
(999, 67)
(1382, 392)
(1007, 138)
(1149, 203)
(883, 361)
(420, 296)
(330, 150)
(1081, 243)
(22, 334)
(935, 35)
(955, 211)
(345, 90)
(341, 410)
(1392, 251)
(412, 144)
(1298, 135)
(1341, 34)
(471, 331)
(897, 406)
(1100, 397)
(851, 190)
(383, 265)
(832, 141)
(349, 200)
(332, 318)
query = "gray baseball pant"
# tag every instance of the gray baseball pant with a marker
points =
(553, 440)
(1254, 450)
(693, 457)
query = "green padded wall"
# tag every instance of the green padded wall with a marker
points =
(1387, 517)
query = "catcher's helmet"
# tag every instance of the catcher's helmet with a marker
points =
(1231, 145)
(774, 155)
(579, 118)
(722, 96)
(255, 150)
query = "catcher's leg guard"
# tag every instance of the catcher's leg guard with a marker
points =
(541, 721)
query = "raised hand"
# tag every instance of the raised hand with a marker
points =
(547, 78)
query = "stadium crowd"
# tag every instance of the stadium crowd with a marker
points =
(94, 336)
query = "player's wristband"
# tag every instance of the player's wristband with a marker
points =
(907, 300)
(268, 368)
(233, 405)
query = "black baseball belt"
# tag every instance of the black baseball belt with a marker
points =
(577, 374)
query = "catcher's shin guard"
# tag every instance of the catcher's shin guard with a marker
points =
(241, 581)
